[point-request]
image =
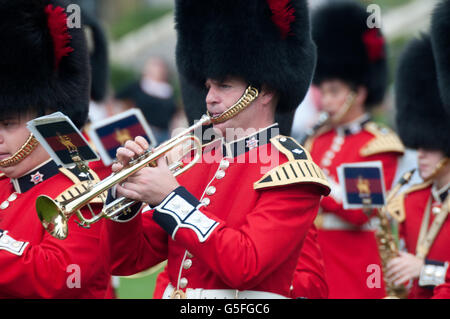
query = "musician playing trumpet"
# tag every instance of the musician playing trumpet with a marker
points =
(233, 225)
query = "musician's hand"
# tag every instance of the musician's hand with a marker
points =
(404, 268)
(130, 150)
(150, 184)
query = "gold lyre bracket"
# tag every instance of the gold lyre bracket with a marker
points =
(246, 99)
(22, 153)
(74, 153)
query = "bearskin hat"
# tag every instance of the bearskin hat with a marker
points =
(98, 56)
(421, 119)
(440, 30)
(44, 65)
(262, 41)
(348, 50)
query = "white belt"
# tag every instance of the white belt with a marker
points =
(200, 293)
(330, 221)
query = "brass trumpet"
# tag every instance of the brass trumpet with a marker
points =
(54, 215)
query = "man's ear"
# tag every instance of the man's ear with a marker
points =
(361, 94)
(267, 96)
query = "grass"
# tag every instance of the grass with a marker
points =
(137, 288)
(140, 286)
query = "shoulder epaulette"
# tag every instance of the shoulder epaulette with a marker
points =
(81, 183)
(385, 141)
(298, 169)
(396, 207)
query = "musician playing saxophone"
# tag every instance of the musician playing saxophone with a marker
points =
(423, 209)
(351, 75)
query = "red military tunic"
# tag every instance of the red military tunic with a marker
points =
(442, 291)
(33, 263)
(310, 279)
(346, 238)
(239, 224)
(415, 202)
(100, 169)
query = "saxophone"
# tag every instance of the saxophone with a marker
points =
(387, 245)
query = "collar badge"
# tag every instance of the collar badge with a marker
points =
(252, 143)
(37, 178)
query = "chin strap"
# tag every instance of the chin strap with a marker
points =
(22, 153)
(247, 98)
(438, 168)
(344, 109)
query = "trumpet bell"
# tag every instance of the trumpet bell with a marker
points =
(49, 212)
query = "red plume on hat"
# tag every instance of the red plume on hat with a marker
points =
(282, 15)
(375, 44)
(57, 24)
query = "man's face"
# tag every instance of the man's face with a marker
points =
(13, 134)
(221, 96)
(428, 161)
(334, 94)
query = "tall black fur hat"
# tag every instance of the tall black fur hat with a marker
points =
(440, 30)
(348, 50)
(44, 65)
(263, 41)
(421, 119)
(98, 56)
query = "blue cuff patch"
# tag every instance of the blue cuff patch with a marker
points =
(181, 209)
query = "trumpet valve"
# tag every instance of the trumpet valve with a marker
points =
(140, 158)
(176, 166)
